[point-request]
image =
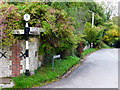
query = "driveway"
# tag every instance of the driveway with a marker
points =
(100, 70)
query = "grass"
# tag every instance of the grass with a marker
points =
(88, 51)
(103, 45)
(45, 74)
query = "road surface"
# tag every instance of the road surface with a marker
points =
(100, 70)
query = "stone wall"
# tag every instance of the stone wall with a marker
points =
(13, 64)
(5, 64)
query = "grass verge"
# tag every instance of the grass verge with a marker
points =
(45, 74)
(103, 45)
(88, 51)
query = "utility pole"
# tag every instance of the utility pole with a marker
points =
(93, 14)
(92, 25)
(93, 19)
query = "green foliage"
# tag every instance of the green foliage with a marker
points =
(9, 21)
(59, 31)
(115, 20)
(58, 25)
(88, 51)
(103, 45)
(80, 11)
(93, 35)
(45, 73)
(100, 16)
(112, 35)
(60, 21)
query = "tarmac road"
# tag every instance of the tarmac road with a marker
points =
(100, 70)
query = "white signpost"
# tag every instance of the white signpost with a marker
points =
(33, 31)
(28, 31)
(53, 60)
(56, 56)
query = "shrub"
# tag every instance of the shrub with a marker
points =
(93, 35)
(9, 21)
(59, 31)
(112, 36)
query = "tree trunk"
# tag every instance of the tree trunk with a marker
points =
(65, 53)
(93, 45)
(90, 45)
(80, 49)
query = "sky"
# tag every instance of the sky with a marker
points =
(108, 0)
(113, 3)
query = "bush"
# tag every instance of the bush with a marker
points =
(93, 35)
(111, 36)
(104, 45)
(59, 31)
(9, 21)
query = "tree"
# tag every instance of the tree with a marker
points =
(58, 25)
(112, 36)
(80, 11)
(115, 20)
(93, 35)
(110, 8)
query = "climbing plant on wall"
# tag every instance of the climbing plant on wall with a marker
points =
(9, 20)
(58, 25)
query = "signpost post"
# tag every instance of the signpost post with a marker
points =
(28, 31)
(55, 57)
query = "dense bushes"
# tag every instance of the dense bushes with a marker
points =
(58, 25)
(112, 36)
(109, 34)
(93, 35)
(59, 31)
(9, 20)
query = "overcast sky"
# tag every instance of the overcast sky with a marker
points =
(113, 3)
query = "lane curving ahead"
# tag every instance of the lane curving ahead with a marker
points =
(100, 70)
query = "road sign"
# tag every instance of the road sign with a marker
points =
(33, 31)
(56, 56)
(53, 60)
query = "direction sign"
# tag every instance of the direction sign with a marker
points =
(56, 56)
(33, 31)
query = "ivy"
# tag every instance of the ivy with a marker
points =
(58, 25)
(8, 22)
